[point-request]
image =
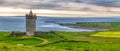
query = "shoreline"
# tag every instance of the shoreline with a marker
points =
(78, 27)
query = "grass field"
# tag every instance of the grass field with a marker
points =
(107, 34)
(87, 36)
(49, 37)
(4, 37)
(112, 26)
(83, 46)
(74, 41)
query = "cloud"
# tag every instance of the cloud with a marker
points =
(56, 4)
(96, 6)
(1, 1)
(107, 3)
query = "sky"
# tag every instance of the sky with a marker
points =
(61, 8)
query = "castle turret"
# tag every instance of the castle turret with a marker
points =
(30, 24)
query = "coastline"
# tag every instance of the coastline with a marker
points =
(90, 28)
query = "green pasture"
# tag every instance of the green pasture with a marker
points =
(74, 41)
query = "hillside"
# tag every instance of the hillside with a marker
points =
(61, 41)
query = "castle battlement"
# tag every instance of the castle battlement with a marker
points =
(30, 24)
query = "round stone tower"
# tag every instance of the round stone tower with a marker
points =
(30, 24)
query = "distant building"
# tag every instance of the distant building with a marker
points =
(30, 24)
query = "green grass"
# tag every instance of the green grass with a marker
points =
(86, 36)
(25, 41)
(71, 35)
(10, 47)
(4, 37)
(83, 46)
(49, 37)
(75, 41)
(65, 46)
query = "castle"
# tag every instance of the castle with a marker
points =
(30, 24)
(30, 27)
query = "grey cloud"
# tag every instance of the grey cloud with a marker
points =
(107, 3)
(45, 5)
(57, 4)
(2, 1)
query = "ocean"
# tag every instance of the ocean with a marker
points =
(17, 23)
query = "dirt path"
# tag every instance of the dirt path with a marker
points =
(45, 41)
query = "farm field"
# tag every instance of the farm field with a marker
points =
(107, 34)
